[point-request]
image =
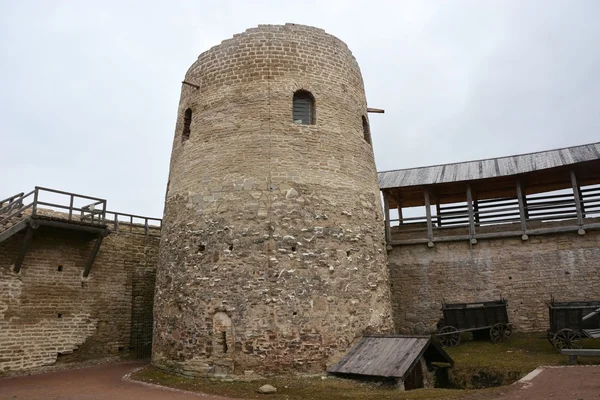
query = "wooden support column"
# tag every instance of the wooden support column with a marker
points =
(400, 216)
(90, 261)
(471, 215)
(522, 211)
(23, 249)
(577, 203)
(476, 211)
(386, 210)
(581, 200)
(428, 214)
(438, 212)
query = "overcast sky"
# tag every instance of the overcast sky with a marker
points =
(89, 89)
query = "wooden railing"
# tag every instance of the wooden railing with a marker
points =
(91, 210)
(520, 215)
(133, 222)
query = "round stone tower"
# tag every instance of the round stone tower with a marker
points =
(272, 255)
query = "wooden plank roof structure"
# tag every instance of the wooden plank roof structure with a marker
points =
(389, 356)
(489, 168)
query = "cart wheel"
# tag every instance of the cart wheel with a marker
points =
(567, 339)
(550, 337)
(449, 336)
(500, 333)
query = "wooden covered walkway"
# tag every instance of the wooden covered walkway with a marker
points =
(531, 194)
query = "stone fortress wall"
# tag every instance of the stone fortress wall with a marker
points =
(50, 313)
(526, 273)
(273, 256)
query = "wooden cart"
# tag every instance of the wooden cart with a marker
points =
(572, 321)
(487, 317)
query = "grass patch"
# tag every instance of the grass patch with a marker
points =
(483, 364)
(478, 364)
(294, 388)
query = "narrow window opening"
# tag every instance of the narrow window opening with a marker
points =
(187, 123)
(303, 108)
(60, 268)
(225, 347)
(366, 129)
(59, 315)
(293, 248)
(231, 247)
(201, 247)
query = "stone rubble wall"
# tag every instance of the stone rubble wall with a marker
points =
(526, 273)
(48, 315)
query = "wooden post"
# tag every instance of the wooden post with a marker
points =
(23, 250)
(522, 211)
(438, 212)
(471, 218)
(476, 211)
(35, 201)
(71, 208)
(386, 209)
(582, 200)
(577, 199)
(400, 216)
(428, 214)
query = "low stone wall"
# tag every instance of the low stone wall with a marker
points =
(527, 273)
(49, 312)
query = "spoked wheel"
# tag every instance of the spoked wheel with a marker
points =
(550, 337)
(567, 339)
(500, 333)
(449, 336)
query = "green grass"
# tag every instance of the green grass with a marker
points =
(481, 363)
(477, 364)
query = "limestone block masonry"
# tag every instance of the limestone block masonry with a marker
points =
(272, 257)
(50, 313)
(527, 273)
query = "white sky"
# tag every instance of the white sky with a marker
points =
(89, 89)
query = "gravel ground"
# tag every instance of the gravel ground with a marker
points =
(101, 382)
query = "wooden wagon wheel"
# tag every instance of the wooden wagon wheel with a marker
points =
(567, 339)
(449, 336)
(500, 332)
(550, 337)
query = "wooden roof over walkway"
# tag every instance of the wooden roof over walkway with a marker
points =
(489, 168)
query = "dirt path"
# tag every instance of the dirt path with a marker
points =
(102, 382)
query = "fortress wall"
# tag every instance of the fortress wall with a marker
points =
(527, 273)
(48, 315)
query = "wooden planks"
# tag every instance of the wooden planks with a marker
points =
(489, 168)
(386, 356)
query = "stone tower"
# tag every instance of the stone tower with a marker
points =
(272, 253)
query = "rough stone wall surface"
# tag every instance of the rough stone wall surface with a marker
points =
(48, 314)
(275, 225)
(527, 273)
